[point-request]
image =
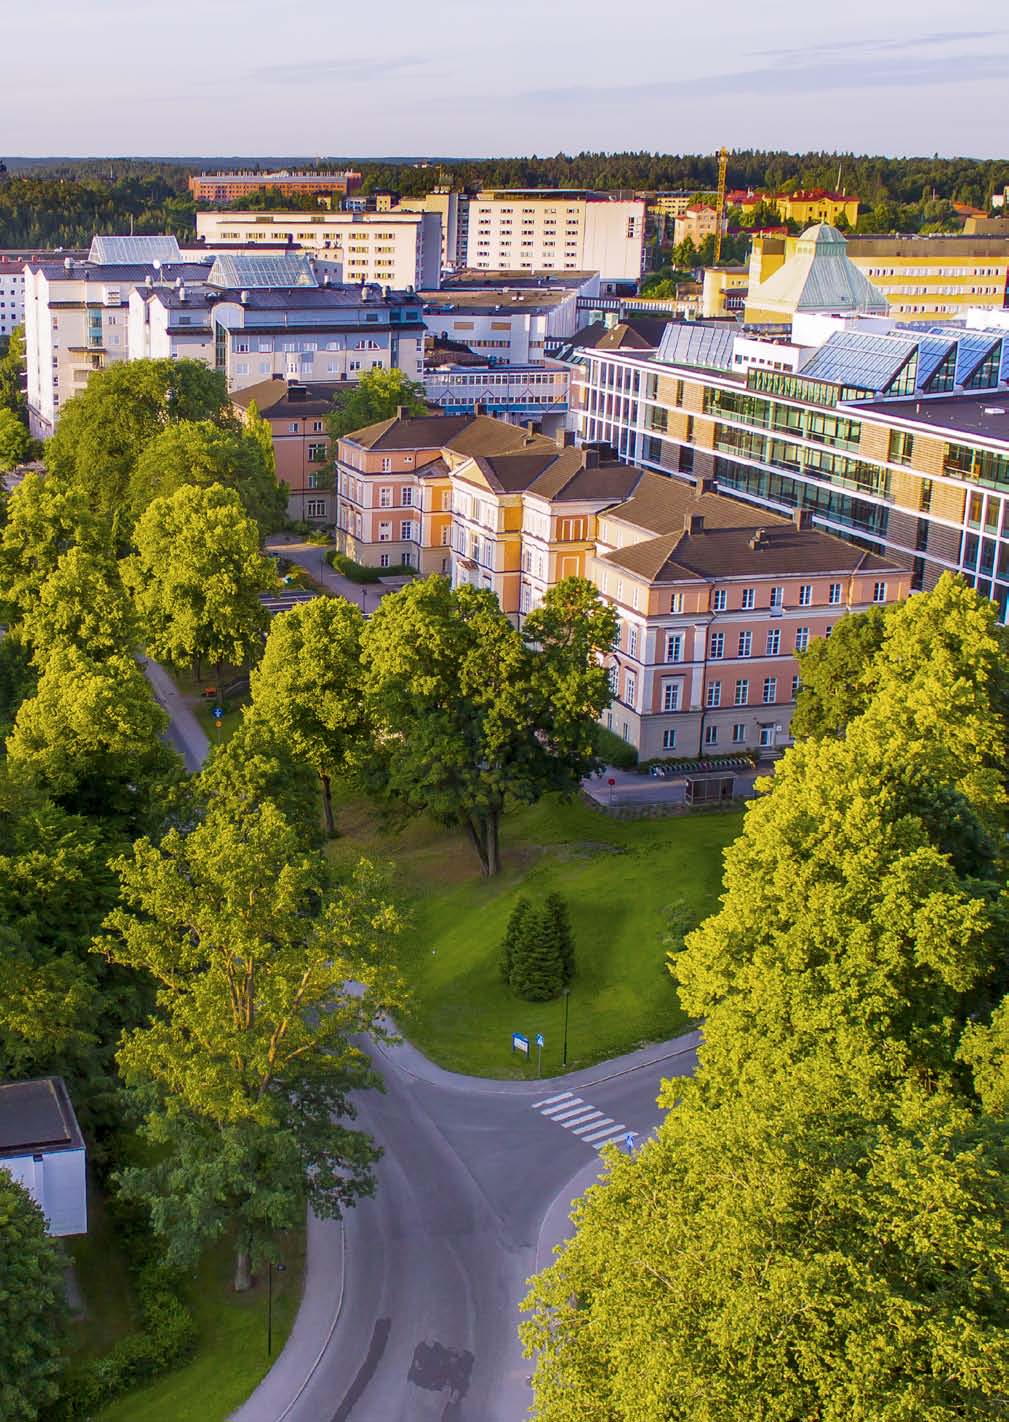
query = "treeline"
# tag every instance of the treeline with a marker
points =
(43, 211)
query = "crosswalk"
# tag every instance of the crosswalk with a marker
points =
(582, 1119)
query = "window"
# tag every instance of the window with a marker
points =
(745, 644)
(806, 595)
(770, 690)
(632, 641)
(674, 647)
(669, 739)
(293, 427)
(718, 600)
(835, 594)
(774, 642)
(675, 602)
(385, 498)
(406, 530)
(901, 447)
(879, 592)
(716, 645)
(315, 508)
(670, 696)
(742, 691)
(386, 464)
(801, 638)
(614, 688)
(711, 735)
(385, 532)
(630, 687)
(738, 733)
(777, 597)
(446, 498)
(749, 598)
(406, 497)
(714, 694)
(383, 560)
(316, 454)
(767, 735)
(446, 536)
(795, 686)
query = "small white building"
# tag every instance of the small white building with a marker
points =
(41, 1146)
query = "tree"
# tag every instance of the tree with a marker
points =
(197, 577)
(254, 765)
(81, 604)
(44, 521)
(308, 688)
(516, 933)
(245, 1071)
(32, 1307)
(378, 395)
(557, 912)
(202, 453)
(103, 431)
(466, 714)
(12, 366)
(834, 684)
(15, 444)
(537, 968)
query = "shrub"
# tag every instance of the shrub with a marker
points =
(366, 572)
(614, 750)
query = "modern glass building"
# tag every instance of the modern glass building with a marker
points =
(896, 439)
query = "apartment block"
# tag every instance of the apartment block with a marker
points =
(895, 438)
(804, 206)
(232, 187)
(399, 249)
(557, 230)
(298, 419)
(509, 318)
(453, 210)
(694, 223)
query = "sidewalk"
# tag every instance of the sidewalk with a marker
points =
(184, 730)
(312, 557)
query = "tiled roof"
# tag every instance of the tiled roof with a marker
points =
(659, 504)
(273, 397)
(410, 432)
(782, 551)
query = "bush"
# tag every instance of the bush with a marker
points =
(614, 750)
(365, 572)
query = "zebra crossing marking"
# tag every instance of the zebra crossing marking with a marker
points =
(581, 1118)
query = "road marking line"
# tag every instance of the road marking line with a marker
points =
(561, 1096)
(611, 1138)
(582, 1116)
(571, 1110)
(607, 1131)
(564, 1106)
(593, 1126)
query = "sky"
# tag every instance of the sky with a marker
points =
(472, 78)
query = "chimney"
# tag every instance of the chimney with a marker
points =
(530, 426)
(401, 412)
(759, 539)
(802, 518)
(704, 486)
(479, 408)
(590, 459)
(565, 439)
(693, 523)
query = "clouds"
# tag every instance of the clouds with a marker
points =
(346, 70)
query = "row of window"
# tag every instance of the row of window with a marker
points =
(766, 736)
(672, 691)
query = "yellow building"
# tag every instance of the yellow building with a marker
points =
(804, 207)
(923, 279)
(719, 282)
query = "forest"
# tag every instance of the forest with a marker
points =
(63, 202)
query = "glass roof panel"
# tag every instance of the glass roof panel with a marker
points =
(130, 251)
(854, 358)
(971, 351)
(237, 270)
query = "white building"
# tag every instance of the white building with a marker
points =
(12, 294)
(398, 249)
(41, 1146)
(509, 318)
(557, 230)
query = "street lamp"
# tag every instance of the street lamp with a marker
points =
(281, 1266)
(567, 998)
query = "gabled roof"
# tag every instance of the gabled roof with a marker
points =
(37, 1117)
(409, 432)
(559, 474)
(129, 251)
(274, 397)
(658, 505)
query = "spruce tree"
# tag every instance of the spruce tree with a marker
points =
(537, 965)
(557, 911)
(515, 934)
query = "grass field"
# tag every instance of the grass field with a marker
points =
(617, 876)
(231, 1357)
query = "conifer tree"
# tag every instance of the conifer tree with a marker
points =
(515, 935)
(537, 966)
(557, 912)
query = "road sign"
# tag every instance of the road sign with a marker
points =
(218, 712)
(520, 1042)
(611, 781)
(218, 722)
(539, 1039)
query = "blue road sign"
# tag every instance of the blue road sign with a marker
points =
(520, 1042)
(218, 712)
(539, 1039)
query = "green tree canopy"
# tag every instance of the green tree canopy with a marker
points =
(103, 431)
(33, 1311)
(308, 688)
(376, 396)
(246, 1069)
(15, 443)
(253, 765)
(44, 521)
(12, 367)
(467, 715)
(202, 453)
(81, 604)
(197, 576)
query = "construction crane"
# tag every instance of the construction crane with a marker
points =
(723, 164)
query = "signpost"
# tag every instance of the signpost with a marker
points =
(539, 1053)
(520, 1042)
(611, 782)
(218, 714)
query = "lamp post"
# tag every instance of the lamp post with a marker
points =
(269, 1304)
(564, 1054)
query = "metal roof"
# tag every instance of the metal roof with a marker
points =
(126, 251)
(855, 358)
(687, 343)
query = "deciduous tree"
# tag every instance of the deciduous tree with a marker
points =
(15, 442)
(376, 396)
(33, 1309)
(81, 604)
(204, 453)
(44, 521)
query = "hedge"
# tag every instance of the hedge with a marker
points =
(614, 750)
(364, 572)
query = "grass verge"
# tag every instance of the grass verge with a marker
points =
(617, 876)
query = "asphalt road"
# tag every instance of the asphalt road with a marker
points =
(415, 1320)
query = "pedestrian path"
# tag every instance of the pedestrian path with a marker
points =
(582, 1119)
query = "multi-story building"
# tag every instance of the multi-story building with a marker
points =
(509, 392)
(557, 230)
(803, 207)
(715, 599)
(673, 203)
(923, 279)
(77, 314)
(895, 438)
(694, 223)
(298, 419)
(394, 495)
(231, 187)
(510, 318)
(12, 293)
(453, 209)
(399, 249)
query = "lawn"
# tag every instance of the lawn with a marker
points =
(231, 1358)
(617, 876)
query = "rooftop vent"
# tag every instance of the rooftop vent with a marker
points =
(565, 438)
(693, 523)
(759, 539)
(704, 486)
(590, 459)
(802, 518)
